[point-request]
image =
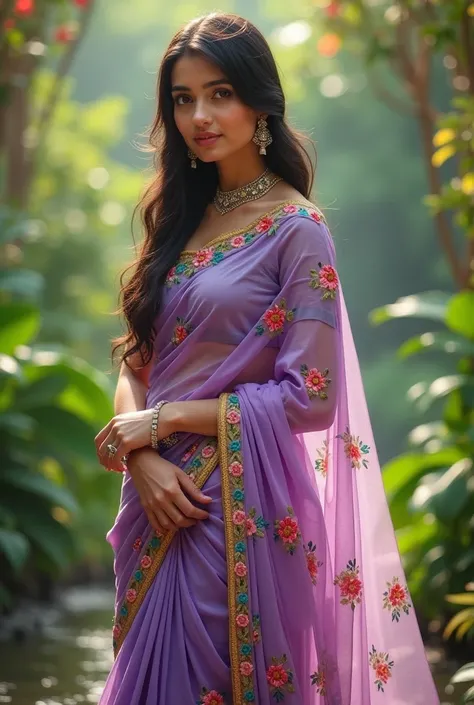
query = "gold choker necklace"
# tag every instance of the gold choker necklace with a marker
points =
(225, 201)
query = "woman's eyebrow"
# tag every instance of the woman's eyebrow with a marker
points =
(216, 82)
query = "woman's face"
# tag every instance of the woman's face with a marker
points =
(201, 108)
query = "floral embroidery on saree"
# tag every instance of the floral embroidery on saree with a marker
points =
(191, 262)
(395, 599)
(312, 562)
(280, 678)
(255, 525)
(257, 631)
(318, 678)
(350, 585)
(287, 530)
(210, 697)
(235, 522)
(355, 449)
(316, 382)
(181, 331)
(382, 666)
(202, 466)
(274, 319)
(321, 464)
(326, 280)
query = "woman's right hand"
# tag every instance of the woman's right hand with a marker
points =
(160, 486)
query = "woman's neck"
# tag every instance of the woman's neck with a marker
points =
(241, 169)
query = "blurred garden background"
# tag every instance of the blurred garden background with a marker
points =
(385, 88)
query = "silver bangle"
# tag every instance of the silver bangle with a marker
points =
(154, 423)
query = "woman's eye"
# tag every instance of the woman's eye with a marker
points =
(224, 90)
(180, 99)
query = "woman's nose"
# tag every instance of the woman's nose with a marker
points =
(201, 115)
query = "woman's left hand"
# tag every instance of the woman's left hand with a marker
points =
(125, 432)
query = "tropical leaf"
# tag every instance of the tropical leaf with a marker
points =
(464, 674)
(14, 547)
(65, 432)
(19, 323)
(460, 314)
(430, 305)
(38, 485)
(443, 341)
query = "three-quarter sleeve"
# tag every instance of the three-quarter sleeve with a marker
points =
(304, 317)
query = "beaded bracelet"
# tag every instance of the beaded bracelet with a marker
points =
(154, 423)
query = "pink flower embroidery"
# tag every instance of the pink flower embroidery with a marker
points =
(280, 678)
(203, 257)
(264, 225)
(180, 334)
(396, 599)
(246, 668)
(312, 562)
(288, 531)
(381, 664)
(208, 452)
(290, 209)
(242, 620)
(171, 274)
(236, 469)
(251, 526)
(316, 216)
(355, 449)
(326, 279)
(238, 241)
(316, 382)
(321, 463)
(277, 676)
(117, 630)
(137, 544)
(274, 318)
(238, 517)
(145, 562)
(233, 416)
(350, 585)
(211, 697)
(131, 595)
(240, 569)
(318, 678)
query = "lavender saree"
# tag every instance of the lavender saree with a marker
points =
(292, 591)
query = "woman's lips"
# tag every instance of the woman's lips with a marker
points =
(207, 141)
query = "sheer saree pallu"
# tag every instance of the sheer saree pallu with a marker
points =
(292, 591)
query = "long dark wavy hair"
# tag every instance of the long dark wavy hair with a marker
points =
(174, 203)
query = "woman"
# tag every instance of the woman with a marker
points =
(254, 554)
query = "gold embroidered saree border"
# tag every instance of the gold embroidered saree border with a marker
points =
(145, 574)
(240, 625)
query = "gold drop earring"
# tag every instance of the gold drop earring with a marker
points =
(193, 158)
(262, 136)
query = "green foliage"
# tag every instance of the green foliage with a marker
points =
(51, 404)
(430, 488)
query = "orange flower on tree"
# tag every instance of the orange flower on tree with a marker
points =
(329, 45)
(24, 7)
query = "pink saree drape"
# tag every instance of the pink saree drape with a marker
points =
(293, 590)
